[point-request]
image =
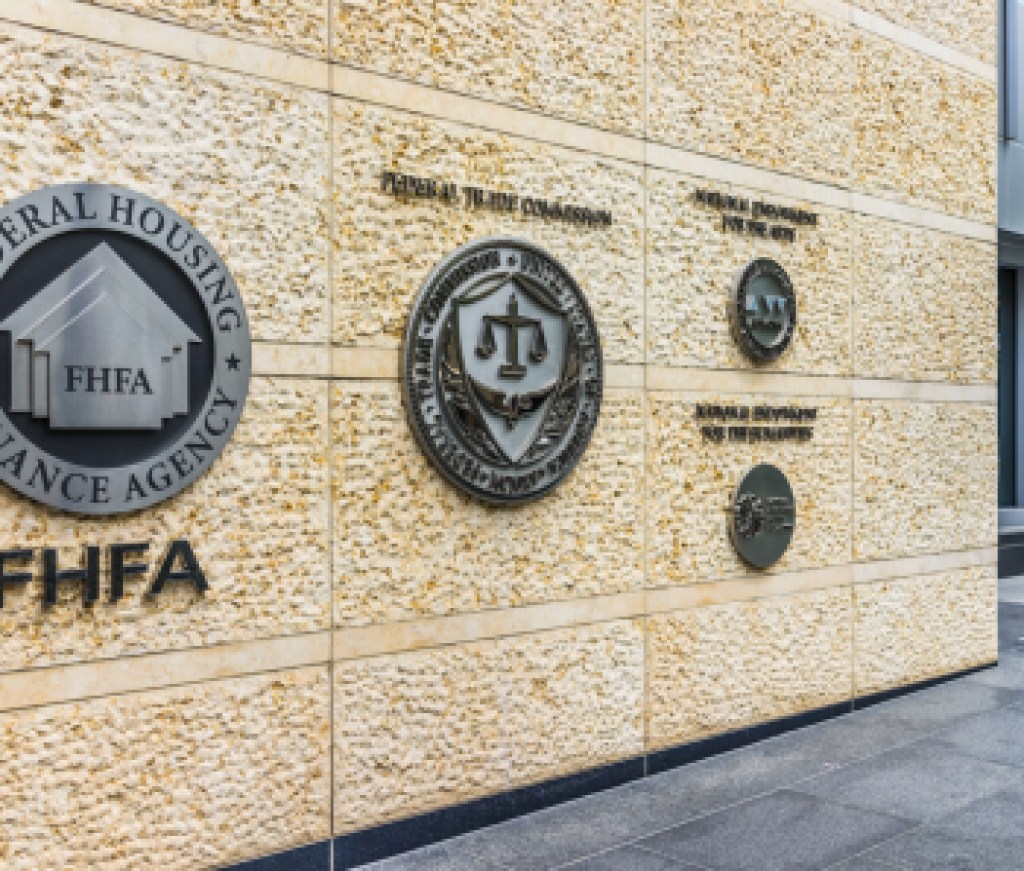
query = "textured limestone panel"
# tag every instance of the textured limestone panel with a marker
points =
(385, 247)
(691, 483)
(244, 160)
(924, 130)
(408, 544)
(187, 778)
(924, 478)
(257, 522)
(418, 731)
(573, 699)
(572, 58)
(753, 80)
(692, 264)
(294, 25)
(712, 670)
(967, 25)
(924, 304)
(912, 629)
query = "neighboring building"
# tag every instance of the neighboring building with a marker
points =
(370, 659)
(1011, 303)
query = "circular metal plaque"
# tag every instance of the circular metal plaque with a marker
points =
(763, 516)
(763, 310)
(126, 349)
(503, 374)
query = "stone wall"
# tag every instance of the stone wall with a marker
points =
(375, 645)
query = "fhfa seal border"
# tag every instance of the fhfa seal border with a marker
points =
(122, 309)
(763, 516)
(763, 310)
(503, 374)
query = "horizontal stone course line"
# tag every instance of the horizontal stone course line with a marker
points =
(362, 642)
(922, 44)
(903, 567)
(385, 364)
(130, 674)
(271, 359)
(907, 37)
(182, 43)
(698, 380)
(297, 361)
(62, 684)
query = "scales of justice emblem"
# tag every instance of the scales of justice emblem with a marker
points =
(503, 370)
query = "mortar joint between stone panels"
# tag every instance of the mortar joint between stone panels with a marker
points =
(332, 563)
(644, 407)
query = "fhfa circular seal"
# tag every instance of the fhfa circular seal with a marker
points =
(128, 349)
(763, 516)
(503, 372)
(763, 310)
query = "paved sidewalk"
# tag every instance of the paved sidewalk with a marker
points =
(932, 780)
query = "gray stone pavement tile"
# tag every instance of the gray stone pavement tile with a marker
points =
(446, 856)
(581, 828)
(630, 859)
(946, 703)
(997, 736)
(1012, 589)
(1008, 674)
(997, 816)
(920, 781)
(777, 762)
(782, 830)
(930, 849)
(1011, 627)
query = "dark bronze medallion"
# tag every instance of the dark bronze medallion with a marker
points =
(763, 516)
(503, 371)
(763, 310)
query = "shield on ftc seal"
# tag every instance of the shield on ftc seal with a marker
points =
(512, 343)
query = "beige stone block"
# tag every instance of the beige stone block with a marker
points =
(187, 778)
(924, 131)
(423, 730)
(573, 699)
(967, 25)
(691, 483)
(757, 81)
(924, 478)
(408, 544)
(692, 264)
(713, 670)
(385, 247)
(912, 629)
(417, 731)
(294, 25)
(924, 304)
(245, 160)
(258, 524)
(572, 59)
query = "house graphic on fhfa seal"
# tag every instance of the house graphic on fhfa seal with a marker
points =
(97, 348)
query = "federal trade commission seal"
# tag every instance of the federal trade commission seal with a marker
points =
(125, 345)
(763, 516)
(503, 371)
(763, 310)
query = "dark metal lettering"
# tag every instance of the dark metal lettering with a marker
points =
(119, 569)
(89, 576)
